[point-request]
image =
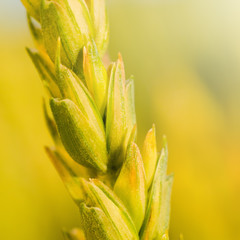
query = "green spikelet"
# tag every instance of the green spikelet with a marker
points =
(121, 192)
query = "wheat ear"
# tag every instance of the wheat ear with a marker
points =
(90, 112)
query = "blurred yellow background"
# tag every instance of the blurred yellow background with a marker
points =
(185, 56)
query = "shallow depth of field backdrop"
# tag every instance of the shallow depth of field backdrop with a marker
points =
(185, 56)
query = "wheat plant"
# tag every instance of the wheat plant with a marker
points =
(121, 192)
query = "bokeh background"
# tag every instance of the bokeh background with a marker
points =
(185, 56)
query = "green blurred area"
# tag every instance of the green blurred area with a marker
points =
(185, 56)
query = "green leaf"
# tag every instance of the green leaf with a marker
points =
(150, 225)
(83, 139)
(96, 225)
(149, 154)
(95, 75)
(132, 178)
